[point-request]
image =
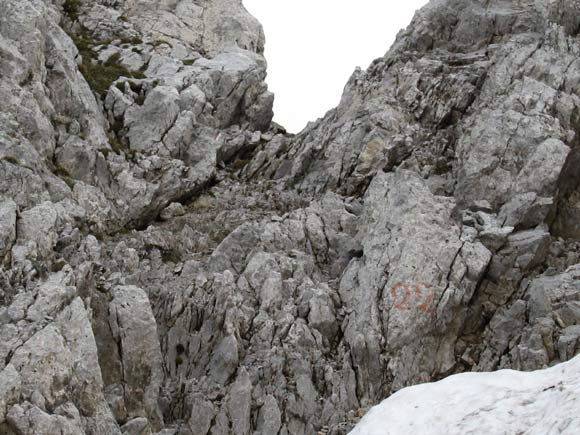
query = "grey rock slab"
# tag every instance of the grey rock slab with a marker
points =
(8, 212)
(415, 279)
(133, 326)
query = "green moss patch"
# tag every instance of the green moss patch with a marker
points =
(10, 159)
(159, 42)
(100, 76)
(135, 40)
(71, 9)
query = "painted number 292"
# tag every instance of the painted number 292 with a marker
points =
(419, 299)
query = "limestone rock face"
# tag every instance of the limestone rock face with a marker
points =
(161, 106)
(208, 25)
(174, 263)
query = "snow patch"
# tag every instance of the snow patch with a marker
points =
(545, 402)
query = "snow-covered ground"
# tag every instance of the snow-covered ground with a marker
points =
(546, 402)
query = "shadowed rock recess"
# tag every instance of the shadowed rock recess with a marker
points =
(174, 263)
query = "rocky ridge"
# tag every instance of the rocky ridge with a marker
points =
(174, 263)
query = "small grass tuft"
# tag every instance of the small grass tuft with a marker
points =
(71, 9)
(69, 182)
(113, 59)
(27, 80)
(11, 159)
(65, 176)
(159, 42)
(188, 62)
(140, 99)
(105, 152)
(116, 144)
(116, 127)
(135, 87)
(138, 75)
(119, 146)
(135, 40)
(61, 172)
(100, 77)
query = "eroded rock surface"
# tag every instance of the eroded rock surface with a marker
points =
(174, 263)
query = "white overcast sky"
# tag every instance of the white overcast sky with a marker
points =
(313, 46)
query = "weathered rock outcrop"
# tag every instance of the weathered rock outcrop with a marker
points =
(173, 263)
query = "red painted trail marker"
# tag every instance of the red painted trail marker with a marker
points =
(421, 299)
